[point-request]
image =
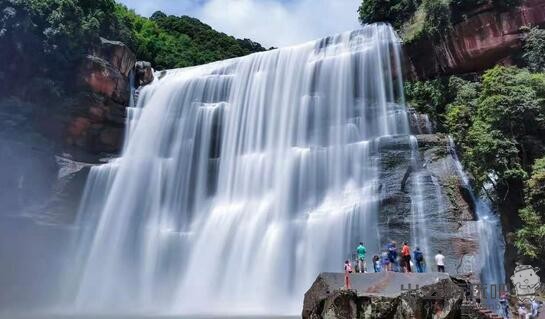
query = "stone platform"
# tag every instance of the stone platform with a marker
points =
(385, 295)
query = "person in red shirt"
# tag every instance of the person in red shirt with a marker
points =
(406, 257)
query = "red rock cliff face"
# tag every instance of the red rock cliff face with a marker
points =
(485, 38)
(98, 113)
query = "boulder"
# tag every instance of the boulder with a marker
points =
(420, 123)
(144, 73)
(487, 36)
(117, 54)
(105, 79)
(385, 295)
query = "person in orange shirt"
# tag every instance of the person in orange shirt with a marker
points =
(406, 257)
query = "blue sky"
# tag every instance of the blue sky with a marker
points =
(270, 22)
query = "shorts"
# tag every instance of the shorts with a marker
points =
(441, 268)
(392, 258)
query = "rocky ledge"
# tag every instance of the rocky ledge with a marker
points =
(387, 295)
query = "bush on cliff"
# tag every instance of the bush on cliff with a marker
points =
(534, 50)
(427, 97)
(460, 110)
(531, 236)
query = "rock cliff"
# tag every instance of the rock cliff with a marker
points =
(98, 114)
(46, 147)
(423, 167)
(486, 37)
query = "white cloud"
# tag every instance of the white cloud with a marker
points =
(269, 22)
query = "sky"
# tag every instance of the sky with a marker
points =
(275, 23)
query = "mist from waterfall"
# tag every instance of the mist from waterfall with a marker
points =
(243, 179)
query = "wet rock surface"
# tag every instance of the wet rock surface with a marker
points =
(420, 123)
(117, 54)
(420, 186)
(144, 73)
(384, 295)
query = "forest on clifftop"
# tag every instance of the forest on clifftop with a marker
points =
(44, 40)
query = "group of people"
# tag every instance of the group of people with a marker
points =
(524, 311)
(391, 260)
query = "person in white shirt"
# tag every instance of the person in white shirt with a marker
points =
(440, 261)
(522, 312)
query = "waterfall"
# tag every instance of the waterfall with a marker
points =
(243, 179)
(491, 242)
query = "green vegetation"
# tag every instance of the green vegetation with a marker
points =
(415, 19)
(170, 41)
(428, 97)
(534, 50)
(503, 125)
(531, 236)
(498, 121)
(396, 12)
(43, 41)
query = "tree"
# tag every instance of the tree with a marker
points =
(530, 237)
(459, 113)
(395, 12)
(534, 50)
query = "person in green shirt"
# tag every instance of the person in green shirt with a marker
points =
(361, 257)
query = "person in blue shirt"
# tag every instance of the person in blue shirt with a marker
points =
(385, 261)
(419, 260)
(376, 263)
(392, 255)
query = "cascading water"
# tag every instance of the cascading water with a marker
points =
(491, 243)
(241, 180)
